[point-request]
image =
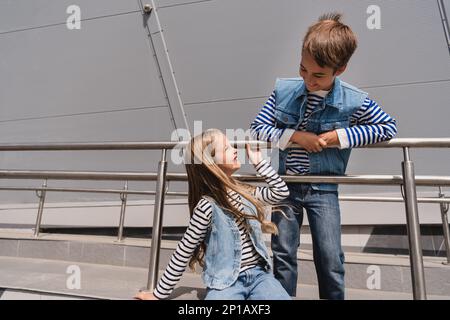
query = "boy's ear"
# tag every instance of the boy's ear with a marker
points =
(340, 70)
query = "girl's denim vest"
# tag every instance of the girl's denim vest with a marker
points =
(224, 249)
(334, 113)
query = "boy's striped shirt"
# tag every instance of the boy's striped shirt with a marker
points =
(369, 124)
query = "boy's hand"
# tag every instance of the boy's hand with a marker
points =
(309, 141)
(254, 156)
(331, 138)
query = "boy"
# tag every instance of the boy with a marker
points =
(326, 117)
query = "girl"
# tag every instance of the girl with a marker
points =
(224, 235)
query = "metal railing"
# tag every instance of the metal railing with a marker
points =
(408, 182)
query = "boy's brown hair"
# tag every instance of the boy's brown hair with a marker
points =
(330, 42)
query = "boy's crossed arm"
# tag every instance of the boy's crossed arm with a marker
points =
(264, 128)
(370, 124)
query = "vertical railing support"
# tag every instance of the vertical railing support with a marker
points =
(123, 198)
(413, 226)
(41, 195)
(157, 222)
(446, 232)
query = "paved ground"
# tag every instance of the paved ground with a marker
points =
(11, 294)
(50, 280)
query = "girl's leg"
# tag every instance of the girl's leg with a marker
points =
(266, 287)
(236, 292)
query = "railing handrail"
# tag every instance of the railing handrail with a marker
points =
(158, 145)
(81, 190)
(435, 200)
(408, 181)
(425, 180)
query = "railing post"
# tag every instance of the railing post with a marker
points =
(123, 198)
(157, 222)
(444, 210)
(41, 196)
(413, 227)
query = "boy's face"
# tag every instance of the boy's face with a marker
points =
(317, 78)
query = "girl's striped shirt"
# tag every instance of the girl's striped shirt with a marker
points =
(200, 222)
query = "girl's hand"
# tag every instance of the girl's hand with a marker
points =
(254, 156)
(145, 295)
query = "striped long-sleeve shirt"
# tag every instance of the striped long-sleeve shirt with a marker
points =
(369, 124)
(200, 222)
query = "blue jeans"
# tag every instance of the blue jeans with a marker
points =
(322, 208)
(252, 284)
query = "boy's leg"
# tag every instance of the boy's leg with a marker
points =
(266, 287)
(324, 219)
(286, 243)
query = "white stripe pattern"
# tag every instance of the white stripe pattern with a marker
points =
(200, 221)
(369, 124)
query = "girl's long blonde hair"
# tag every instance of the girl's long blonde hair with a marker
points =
(206, 178)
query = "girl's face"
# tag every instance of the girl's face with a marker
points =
(226, 157)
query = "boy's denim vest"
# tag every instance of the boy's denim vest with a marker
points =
(334, 113)
(224, 249)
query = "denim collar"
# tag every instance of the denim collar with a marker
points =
(332, 99)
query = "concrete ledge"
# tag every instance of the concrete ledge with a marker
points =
(393, 270)
(39, 279)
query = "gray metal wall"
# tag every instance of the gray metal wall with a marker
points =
(100, 83)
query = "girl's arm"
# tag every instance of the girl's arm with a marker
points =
(277, 189)
(264, 126)
(194, 235)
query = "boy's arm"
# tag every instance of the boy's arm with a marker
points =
(263, 127)
(194, 235)
(369, 125)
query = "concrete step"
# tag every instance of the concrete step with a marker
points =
(13, 294)
(38, 279)
(389, 273)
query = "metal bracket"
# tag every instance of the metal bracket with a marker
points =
(444, 205)
(402, 191)
(167, 187)
(40, 193)
(445, 24)
(148, 9)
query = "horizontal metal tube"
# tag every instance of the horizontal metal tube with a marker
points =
(77, 175)
(88, 146)
(392, 199)
(110, 146)
(346, 179)
(372, 180)
(394, 143)
(138, 176)
(112, 191)
(412, 143)
(185, 194)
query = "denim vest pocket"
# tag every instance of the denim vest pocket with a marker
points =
(285, 119)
